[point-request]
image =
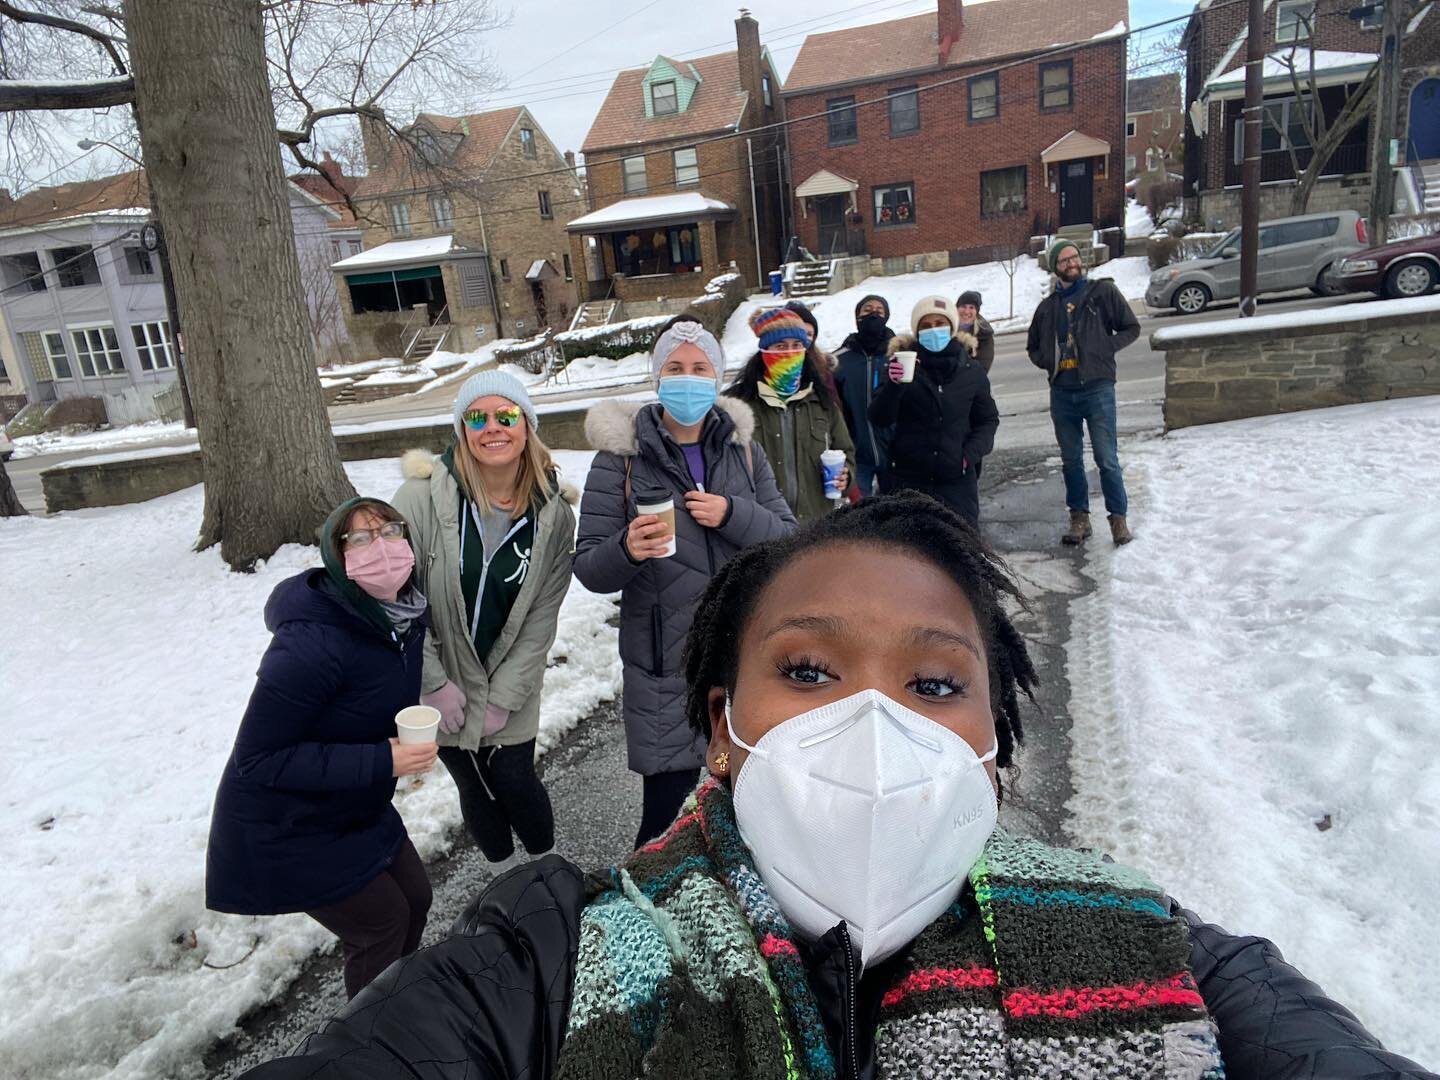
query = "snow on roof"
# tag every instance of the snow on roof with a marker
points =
(1114, 31)
(1277, 65)
(652, 208)
(1347, 313)
(398, 251)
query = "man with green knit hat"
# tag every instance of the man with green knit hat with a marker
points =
(1073, 338)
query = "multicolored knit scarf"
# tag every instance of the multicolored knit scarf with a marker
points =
(782, 371)
(1056, 964)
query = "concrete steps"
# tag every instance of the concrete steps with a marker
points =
(810, 279)
(427, 341)
(595, 313)
(1430, 179)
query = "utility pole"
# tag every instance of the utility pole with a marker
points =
(1387, 103)
(1254, 115)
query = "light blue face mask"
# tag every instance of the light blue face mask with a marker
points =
(687, 397)
(934, 338)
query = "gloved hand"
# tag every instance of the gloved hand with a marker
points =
(450, 700)
(495, 719)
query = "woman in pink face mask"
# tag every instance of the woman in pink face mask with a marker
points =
(303, 819)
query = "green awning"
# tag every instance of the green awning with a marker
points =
(388, 277)
(416, 273)
(370, 279)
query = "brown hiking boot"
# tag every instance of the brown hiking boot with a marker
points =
(1119, 531)
(1080, 530)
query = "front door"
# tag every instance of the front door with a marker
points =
(1077, 193)
(537, 291)
(1425, 121)
(831, 210)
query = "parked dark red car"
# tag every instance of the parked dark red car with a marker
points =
(1396, 270)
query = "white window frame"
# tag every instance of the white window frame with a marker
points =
(673, 96)
(877, 197)
(765, 91)
(400, 218)
(1132, 125)
(153, 345)
(442, 212)
(113, 357)
(1129, 163)
(631, 187)
(687, 174)
(1294, 29)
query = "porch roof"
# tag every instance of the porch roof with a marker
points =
(399, 253)
(678, 209)
(826, 182)
(1074, 145)
(1331, 69)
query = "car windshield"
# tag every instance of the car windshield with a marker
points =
(1232, 236)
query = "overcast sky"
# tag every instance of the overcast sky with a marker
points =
(560, 56)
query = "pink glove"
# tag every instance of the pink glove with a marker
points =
(450, 700)
(495, 719)
(895, 370)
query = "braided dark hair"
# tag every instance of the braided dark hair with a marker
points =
(909, 520)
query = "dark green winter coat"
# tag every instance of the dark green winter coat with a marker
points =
(794, 436)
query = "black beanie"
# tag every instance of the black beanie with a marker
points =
(807, 316)
(969, 296)
(873, 296)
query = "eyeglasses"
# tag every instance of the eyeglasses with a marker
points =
(508, 416)
(391, 530)
(1073, 260)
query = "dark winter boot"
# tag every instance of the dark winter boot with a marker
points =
(1080, 530)
(1119, 531)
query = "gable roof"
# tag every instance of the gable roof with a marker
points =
(481, 136)
(718, 105)
(1154, 92)
(991, 30)
(108, 194)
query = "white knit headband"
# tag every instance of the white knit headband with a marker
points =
(688, 333)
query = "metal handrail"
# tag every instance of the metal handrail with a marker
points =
(428, 326)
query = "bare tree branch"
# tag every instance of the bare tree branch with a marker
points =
(19, 96)
(55, 22)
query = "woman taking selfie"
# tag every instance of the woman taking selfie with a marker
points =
(837, 901)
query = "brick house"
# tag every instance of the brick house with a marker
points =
(1299, 34)
(1154, 127)
(948, 133)
(678, 192)
(463, 226)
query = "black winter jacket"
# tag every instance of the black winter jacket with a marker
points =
(944, 422)
(858, 375)
(492, 1000)
(1104, 324)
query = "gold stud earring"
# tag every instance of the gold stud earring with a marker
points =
(722, 763)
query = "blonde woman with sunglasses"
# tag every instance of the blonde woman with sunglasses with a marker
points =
(493, 535)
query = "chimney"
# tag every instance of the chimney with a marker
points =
(376, 137)
(747, 57)
(951, 22)
(570, 160)
(331, 168)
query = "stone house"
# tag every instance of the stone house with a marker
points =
(679, 190)
(1154, 128)
(463, 225)
(83, 300)
(1341, 44)
(948, 133)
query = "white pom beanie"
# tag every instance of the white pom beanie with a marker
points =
(500, 384)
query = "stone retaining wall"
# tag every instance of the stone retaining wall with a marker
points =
(1307, 360)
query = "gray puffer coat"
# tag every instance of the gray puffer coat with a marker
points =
(658, 596)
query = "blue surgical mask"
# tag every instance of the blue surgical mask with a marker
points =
(687, 397)
(935, 338)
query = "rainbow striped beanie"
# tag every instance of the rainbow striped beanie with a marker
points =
(775, 325)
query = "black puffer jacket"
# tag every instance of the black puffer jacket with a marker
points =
(492, 1000)
(1104, 324)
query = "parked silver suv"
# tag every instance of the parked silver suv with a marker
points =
(1295, 253)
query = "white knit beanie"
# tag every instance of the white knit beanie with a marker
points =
(500, 384)
(934, 305)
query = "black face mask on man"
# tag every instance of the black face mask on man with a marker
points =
(871, 329)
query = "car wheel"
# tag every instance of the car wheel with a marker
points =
(1328, 283)
(1406, 279)
(1191, 299)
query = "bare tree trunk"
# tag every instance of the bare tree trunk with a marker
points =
(272, 471)
(9, 501)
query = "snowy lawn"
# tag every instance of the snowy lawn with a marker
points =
(1257, 694)
(109, 439)
(126, 674)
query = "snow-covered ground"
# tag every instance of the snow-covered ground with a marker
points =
(109, 439)
(1137, 220)
(126, 675)
(1256, 694)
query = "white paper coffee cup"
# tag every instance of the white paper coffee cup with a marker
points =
(907, 361)
(665, 511)
(417, 724)
(831, 464)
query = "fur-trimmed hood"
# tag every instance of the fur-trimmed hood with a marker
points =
(908, 343)
(610, 425)
(420, 465)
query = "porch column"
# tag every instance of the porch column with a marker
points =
(580, 268)
(709, 250)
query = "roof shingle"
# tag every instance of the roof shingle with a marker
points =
(718, 105)
(482, 135)
(119, 192)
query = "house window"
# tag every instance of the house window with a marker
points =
(544, 204)
(569, 276)
(1373, 18)
(98, 350)
(765, 91)
(152, 345)
(400, 218)
(75, 266)
(1129, 164)
(22, 272)
(138, 262)
(1055, 85)
(1129, 127)
(527, 142)
(336, 251)
(985, 97)
(442, 212)
(504, 269)
(841, 119)
(1002, 191)
(663, 99)
(635, 175)
(1294, 20)
(55, 353)
(904, 111)
(687, 167)
(895, 205)
(1151, 157)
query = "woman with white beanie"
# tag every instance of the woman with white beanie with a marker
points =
(493, 535)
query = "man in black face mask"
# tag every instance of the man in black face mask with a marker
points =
(859, 372)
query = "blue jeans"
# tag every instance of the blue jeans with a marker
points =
(1071, 410)
(866, 476)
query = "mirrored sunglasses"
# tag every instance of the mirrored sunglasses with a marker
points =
(391, 530)
(476, 419)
